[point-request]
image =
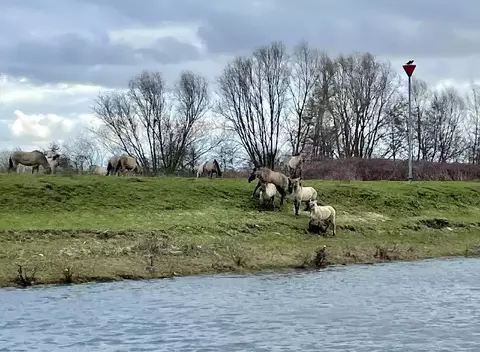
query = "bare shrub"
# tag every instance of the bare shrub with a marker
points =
(25, 275)
(384, 169)
(237, 256)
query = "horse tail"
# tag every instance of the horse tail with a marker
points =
(219, 172)
(119, 165)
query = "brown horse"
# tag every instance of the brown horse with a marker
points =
(35, 159)
(209, 167)
(127, 163)
(295, 166)
(265, 175)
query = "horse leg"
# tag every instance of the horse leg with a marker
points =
(297, 206)
(255, 190)
(14, 167)
(283, 193)
(327, 225)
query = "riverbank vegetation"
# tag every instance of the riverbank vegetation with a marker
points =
(84, 228)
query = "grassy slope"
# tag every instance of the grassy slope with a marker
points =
(104, 227)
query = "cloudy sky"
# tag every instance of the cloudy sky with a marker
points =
(56, 55)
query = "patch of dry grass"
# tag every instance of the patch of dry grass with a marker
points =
(81, 228)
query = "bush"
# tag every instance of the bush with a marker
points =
(384, 169)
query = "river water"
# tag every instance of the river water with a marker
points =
(431, 305)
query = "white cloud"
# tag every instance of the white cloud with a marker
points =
(41, 126)
(146, 37)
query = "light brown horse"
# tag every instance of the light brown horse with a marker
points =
(112, 164)
(127, 163)
(265, 175)
(35, 159)
(295, 166)
(209, 167)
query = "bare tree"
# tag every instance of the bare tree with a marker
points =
(420, 101)
(148, 98)
(473, 124)
(228, 153)
(82, 151)
(395, 138)
(121, 126)
(206, 137)
(176, 132)
(52, 149)
(364, 91)
(322, 138)
(305, 75)
(253, 93)
(443, 126)
(4, 156)
(148, 122)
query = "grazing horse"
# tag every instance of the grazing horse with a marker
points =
(295, 166)
(112, 164)
(35, 159)
(209, 167)
(97, 170)
(127, 163)
(265, 175)
(321, 217)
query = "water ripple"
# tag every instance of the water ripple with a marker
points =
(430, 305)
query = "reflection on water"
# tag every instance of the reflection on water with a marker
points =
(416, 306)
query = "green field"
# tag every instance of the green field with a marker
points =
(84, 228)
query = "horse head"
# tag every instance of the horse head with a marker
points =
(253, 174)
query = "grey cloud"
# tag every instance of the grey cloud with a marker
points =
(80, 50)
(152, 12)
(334, 29)
(234, 27)
(75, 58)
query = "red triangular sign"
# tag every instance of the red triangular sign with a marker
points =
(409, 69)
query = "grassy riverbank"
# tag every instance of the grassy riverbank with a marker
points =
(85, 228)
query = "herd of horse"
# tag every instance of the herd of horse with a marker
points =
(270, 183)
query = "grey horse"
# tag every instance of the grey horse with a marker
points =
(35, 159)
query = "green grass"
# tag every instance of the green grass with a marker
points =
(107, 228)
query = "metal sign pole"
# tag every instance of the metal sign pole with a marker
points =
(409, 68)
